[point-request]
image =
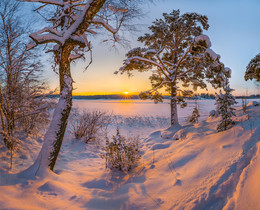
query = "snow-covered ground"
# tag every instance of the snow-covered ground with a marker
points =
(203, 169)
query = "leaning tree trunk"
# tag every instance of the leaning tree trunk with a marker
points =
(54, 136)
(173, 104)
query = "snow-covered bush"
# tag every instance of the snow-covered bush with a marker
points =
(224, 108)
(89, 125)
(194, 118)
(213, 113)
(121, 153)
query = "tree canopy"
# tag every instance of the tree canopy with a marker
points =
(179, 55)
(253, 69)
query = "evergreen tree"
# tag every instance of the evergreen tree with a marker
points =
(253, 69)
(195, 115)
(177, 53)
(224, 102)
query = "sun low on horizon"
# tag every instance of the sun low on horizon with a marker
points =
(100, 77)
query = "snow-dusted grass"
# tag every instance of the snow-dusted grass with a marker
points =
(202, 170)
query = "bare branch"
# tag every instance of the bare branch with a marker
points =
(108, 27)
(58, 3)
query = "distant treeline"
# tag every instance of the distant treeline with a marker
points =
(95, 97)
(251, 96)
(123, 97)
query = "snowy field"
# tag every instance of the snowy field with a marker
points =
(202, 170)
(141, 117)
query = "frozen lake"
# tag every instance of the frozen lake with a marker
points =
(144, 107)
(140, 117)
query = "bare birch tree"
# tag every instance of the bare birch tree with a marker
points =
(19, 83)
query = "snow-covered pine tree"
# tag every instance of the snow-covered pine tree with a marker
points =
(253, 69)
(224, 102)
(177, 53)
(67, 32)
(195, 115)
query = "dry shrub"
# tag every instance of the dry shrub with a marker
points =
(89, 125)
(121, 153)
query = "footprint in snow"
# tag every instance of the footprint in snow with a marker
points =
(160, 146)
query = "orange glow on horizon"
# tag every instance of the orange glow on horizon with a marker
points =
(125, 93)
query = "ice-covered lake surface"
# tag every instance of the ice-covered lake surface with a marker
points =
(148, 107)
(142, 107)
(128, 114)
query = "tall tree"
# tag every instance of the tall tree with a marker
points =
(178, 54)
(253, 69)
(70, 26)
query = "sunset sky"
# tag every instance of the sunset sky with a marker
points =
(234, 32)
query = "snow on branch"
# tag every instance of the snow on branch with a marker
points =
(116, 10)
(45, 38)
(150, 51)
(76, 56)
(49, 30)
(31, 45)
(78, 25)
(212, 54)
(99, 21)
(58, 3)
(205, 38)
(183, 57)
(138, 58)
(168, 71)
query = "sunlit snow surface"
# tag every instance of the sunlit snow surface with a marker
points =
(202, 170)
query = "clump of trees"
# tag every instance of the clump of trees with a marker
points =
(178, 54)
(21, 108)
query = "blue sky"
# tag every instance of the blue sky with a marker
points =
(234, 32)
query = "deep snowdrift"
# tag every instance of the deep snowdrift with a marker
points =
(191, 167)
